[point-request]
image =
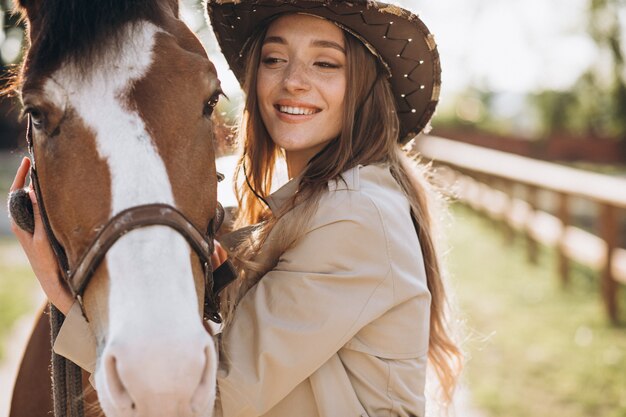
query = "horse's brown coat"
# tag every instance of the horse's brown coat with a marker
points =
(34, 372)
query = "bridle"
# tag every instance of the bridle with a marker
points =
(130, 219)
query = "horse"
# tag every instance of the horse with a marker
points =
(119, 94)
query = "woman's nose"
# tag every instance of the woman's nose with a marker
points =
(296, 78)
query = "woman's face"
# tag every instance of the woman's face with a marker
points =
(301, 84)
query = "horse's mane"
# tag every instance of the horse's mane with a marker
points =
(78, 30)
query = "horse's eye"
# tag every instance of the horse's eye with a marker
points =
(211, 103)
(36, 116)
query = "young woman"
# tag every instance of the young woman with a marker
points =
(344, 301)
(341, 303)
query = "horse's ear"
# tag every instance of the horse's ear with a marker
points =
(28, 8)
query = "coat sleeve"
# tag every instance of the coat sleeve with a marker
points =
(335, 280)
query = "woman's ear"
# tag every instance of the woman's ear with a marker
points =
(21, 210)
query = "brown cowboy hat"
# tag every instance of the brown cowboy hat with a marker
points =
(397, 37)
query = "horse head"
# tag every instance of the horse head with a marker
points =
(120, 95)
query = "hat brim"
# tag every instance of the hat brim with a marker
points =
(399, 38)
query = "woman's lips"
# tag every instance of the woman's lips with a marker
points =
(291, 112)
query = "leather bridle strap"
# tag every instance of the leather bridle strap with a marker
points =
(130, 219)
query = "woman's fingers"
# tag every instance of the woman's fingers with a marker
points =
(20, 176)
(221, 252)
(215, 261)
(38, 249)
(18, 182)
(43, 261)
(36, 214)
(218, 256)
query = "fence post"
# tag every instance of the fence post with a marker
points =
(564, 216)
(485, 185)
(609, 232)
(509, 233)
(531, 244)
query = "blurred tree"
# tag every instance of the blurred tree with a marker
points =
(11, 36)
(606, 76)
(11, 48)
(596, 104)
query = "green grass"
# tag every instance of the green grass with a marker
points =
(536, 349)
(17, 284)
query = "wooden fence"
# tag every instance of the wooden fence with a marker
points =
(507, 188)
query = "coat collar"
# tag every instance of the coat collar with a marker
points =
(348, 180)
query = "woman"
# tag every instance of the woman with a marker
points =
(341, 301)
(342, 281)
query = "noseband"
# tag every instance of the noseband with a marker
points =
(131, 219)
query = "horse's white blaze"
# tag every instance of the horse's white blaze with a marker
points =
(149, 268)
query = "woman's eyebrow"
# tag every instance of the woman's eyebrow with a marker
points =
(327, 44)
(274, 39)
(319, 43)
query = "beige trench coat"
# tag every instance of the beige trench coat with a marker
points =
(339, 328)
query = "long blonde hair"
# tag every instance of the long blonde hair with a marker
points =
(369, 135)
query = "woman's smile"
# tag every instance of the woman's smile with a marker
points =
(295, 112)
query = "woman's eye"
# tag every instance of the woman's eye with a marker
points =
(270, 61)
(209, 106)
(326, 64)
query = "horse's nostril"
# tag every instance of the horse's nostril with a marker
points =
(118, 391)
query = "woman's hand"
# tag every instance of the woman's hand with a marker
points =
(219, 255)
(39, 251)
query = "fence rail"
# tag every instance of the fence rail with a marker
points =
(489, 181)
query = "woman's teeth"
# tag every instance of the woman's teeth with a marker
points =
(296, 110)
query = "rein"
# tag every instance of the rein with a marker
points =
(66, 375)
